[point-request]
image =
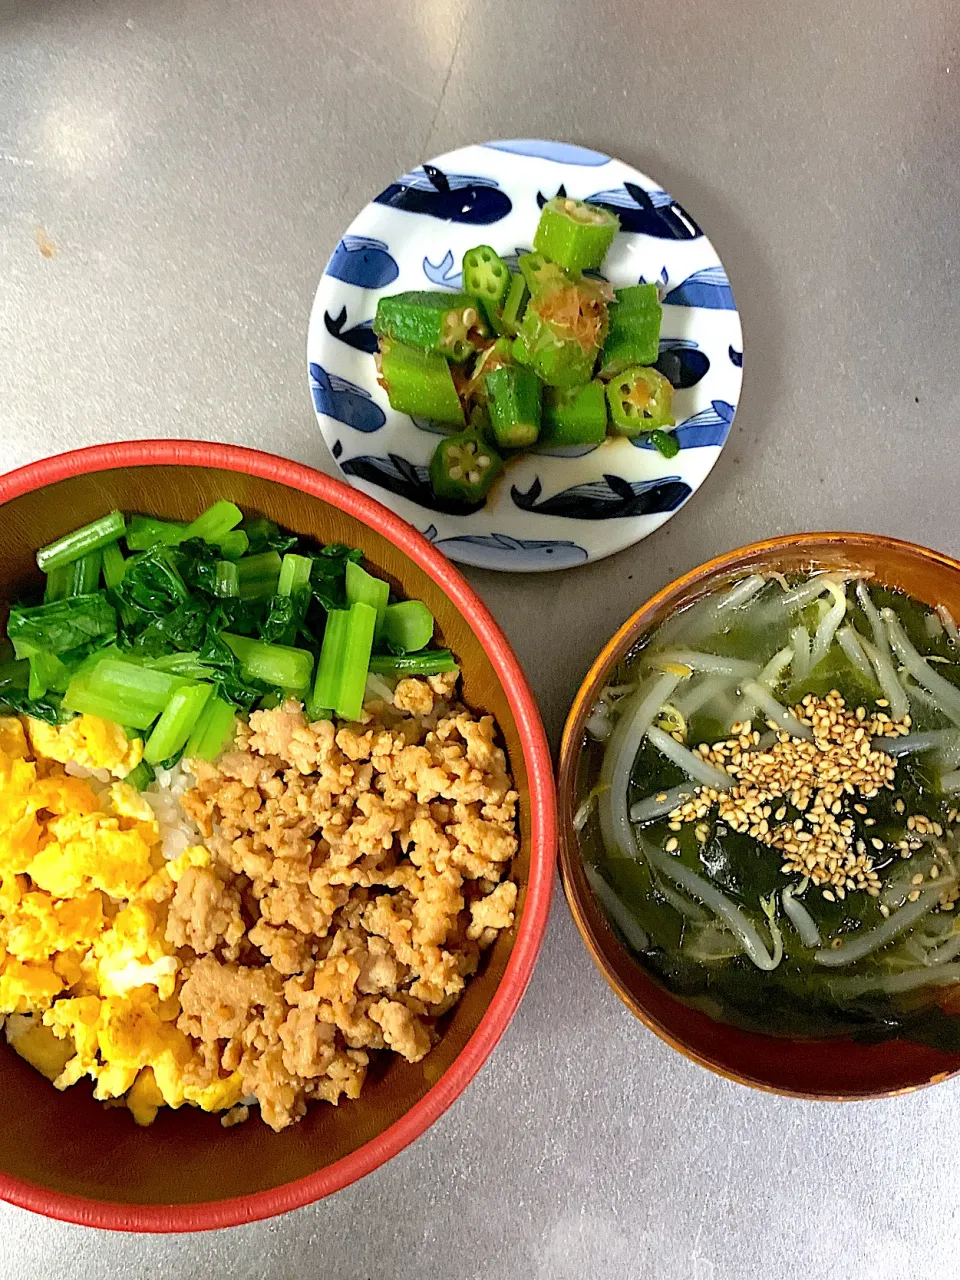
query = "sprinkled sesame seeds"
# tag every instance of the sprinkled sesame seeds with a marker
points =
(818, 778)
(672, 844)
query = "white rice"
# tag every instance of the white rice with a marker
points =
(177, 830)
(16, 1024)
(89, 775)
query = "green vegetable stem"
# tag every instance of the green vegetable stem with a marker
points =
(211, 731)
(91, 537)
(432, 662)
(364, 588)
(258, 575)
(408, 626)
(215, 523)
(176, 723)
(275, 664)
(514, 305)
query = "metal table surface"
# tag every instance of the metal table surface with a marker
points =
(173, 176)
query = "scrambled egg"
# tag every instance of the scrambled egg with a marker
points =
(88, 981)
(87, 741)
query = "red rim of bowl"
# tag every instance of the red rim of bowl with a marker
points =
(294, 1195)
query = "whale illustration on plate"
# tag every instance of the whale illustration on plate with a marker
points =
(444, 275)
(405, 479)
(682, 362)
(647, 213)
(452, 197)
(558, 152)
(708, 427)
(610, 498)
(708, 288)
(344, 401)
(363, 261)
(502, 550)
(361, 336)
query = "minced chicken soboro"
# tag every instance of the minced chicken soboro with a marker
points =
(341, 887)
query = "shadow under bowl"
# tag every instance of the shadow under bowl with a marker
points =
(67, 1156)
(833, 1069)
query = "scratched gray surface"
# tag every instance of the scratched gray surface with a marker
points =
(192, 163)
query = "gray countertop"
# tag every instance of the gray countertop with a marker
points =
(173, 176)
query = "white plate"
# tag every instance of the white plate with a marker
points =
(547, 511)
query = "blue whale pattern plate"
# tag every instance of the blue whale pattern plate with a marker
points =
(552, 509)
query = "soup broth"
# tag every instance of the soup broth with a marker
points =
(769, 796)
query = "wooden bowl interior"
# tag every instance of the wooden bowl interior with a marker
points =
(834, 1068)
(67, 1141)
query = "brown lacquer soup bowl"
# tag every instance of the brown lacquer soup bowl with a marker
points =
(829, 1068)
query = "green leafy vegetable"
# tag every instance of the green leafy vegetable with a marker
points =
(63, 625)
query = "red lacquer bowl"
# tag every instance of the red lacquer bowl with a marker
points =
(67, 1156)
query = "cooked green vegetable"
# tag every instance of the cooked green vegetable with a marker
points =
(634, 334)
(541, 276)
(665, 443)
(114, 566)
(430, 321)
(258, 575)
(234, 544)
(547, 323)
(63, 625)
(561, 333)
(514, 305)
(574, 417)
(215, 523)
(326, 686)
(59, 584)
(91, 537)
(486, 277)
(573, 234)
(228, 579)
(364, 588)
(278, 665)
(430, 663)
(212, 730)
(176, 723)
(144, 532)
(407, 626)
(463, 468)
(123, 690)
(85, 573)
(640, 400)
(184, 636)
(420, 383)
(141, 777)
(355, 660)
(514, 406)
